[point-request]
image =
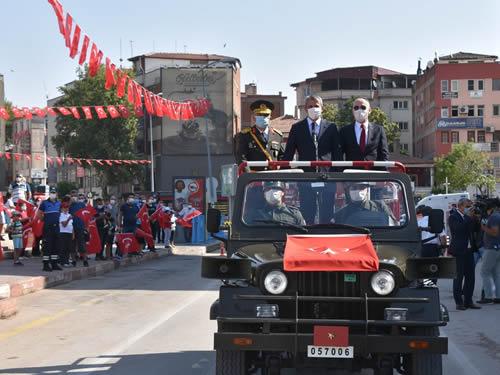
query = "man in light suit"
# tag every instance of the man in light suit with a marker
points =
(363, 140)
(314, 138)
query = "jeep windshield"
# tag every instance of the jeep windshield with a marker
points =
(369, 204)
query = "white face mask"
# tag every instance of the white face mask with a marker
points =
(314, 113)
(52, 196)
(18, 180)
(273, 196)
(262, 122)
(130, 200)
(112, 201)
(361, 115)
(358, 195)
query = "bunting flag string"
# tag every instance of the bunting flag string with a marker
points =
(59, 161)
(154, 104)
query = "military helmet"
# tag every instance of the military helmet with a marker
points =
(274, 185)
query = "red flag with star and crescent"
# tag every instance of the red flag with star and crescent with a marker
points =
(127, 243)
(94, 242)
(86, 213)
(343, 252)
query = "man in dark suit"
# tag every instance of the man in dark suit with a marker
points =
(260, 142)
(363, 140)
(314, 138)
(460, 247)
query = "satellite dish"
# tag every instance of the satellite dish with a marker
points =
(394, 84)
(430, 64)
(374, 84)
(413, 82)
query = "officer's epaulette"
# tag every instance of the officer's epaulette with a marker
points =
(246, 130)
(278, 132)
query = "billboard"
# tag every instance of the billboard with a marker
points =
(189, 190)
(189, 137)
(460, 123)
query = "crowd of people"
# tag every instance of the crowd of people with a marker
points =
(474, 238)
(60, 229)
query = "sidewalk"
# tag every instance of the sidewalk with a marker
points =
(17, 281)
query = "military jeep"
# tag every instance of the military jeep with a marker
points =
(329, 279)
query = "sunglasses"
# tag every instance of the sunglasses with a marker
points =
(356, 107)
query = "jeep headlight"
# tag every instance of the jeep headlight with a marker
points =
(275, 282)
(383, 282)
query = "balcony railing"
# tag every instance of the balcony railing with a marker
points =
(486, 147)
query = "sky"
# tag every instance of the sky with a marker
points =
(279, 42)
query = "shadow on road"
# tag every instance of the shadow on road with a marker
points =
(190, 362)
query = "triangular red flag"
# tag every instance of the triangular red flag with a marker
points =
(83, 52)
(94, 243)
(167, 108)
(89, 161)
(67, 30)
(186, 112)
(7, 155)
(51, 111)
(17, 156)
(59, 161)
(4, 114)
(64, 111)
(58, 9)
(95, 60)
(158, 105)
(124, 112)
(113, 112)
(108, 162)
(79, 161)
(69, 160)
(74, 44)
(39, 112)
(147, 101)
(49, 159)
(130, 91)
(17, 112)
(38, 157)
(110, 74)
(27, 113)
(27, 157)
(87, 112)
(98, 161)
(118, 162)
(138, 95)
(122, 81)
(75, 112)
(138, 111)
(101, 113)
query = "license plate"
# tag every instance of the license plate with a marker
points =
(330, 351)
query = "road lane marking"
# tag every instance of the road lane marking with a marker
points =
(34, 324)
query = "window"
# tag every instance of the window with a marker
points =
(496, 85)
(454, 111)
(454, 85)
(496, 109)
(471, 136)
(444, 112)
(481, 136)
(470, 85)
(480, 84)
(480, 110)
(455, 138)
(404, 146)
(496, 162)
(403, 126)
(444, 86)
(445, 137)
(471, 111)
(400, 104)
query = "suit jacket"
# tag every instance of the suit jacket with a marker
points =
(246, 149)
(301, 141)
(376, 146)
(460, 231)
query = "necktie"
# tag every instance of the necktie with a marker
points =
(362, 139)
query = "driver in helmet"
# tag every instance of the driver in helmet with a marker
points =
(275, 209)
(358, 198)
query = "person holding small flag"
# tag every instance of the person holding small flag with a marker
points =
(76, 208)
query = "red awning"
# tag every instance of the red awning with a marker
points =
(345, 252)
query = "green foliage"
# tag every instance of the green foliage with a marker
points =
(65, 187)
(330, 112)
(9, 123)
(465, 167)
(344, 114)
(391, 128)
(97, 139)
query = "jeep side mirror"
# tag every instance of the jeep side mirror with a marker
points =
(436, 221)
(213, 220)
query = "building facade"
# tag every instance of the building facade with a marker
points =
(180, 147)
(389, 90)
(3, 170)
(457, 100)
(250, 95)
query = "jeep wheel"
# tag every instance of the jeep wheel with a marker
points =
(230, 362)
(424, 363)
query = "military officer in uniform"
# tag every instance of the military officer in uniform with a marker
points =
(274, 208)
(260, 142)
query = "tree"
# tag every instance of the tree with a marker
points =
(97, 139)
(330, 112)
(65, 187)
(465, 167)
(391, 128)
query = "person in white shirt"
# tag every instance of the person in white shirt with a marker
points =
(66, 238)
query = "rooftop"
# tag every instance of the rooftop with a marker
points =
(283, 123)
(468, 56)
(183, 56)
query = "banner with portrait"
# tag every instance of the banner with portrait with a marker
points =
(189, 190)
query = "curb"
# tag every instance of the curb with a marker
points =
(10, 292)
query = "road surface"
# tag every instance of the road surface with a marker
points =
(152, 318)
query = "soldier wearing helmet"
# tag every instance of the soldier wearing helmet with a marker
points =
(274, 208)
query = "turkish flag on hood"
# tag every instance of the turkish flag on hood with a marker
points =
(94, 243)
(127, 243)
(86, 214)
(343, 252)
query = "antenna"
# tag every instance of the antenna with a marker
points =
(185, 46)
(131, 48)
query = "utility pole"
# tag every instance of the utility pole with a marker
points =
(446, 184)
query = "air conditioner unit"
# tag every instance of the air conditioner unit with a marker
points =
(463, 109)
(489, 129)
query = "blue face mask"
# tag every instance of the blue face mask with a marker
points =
(262, 122)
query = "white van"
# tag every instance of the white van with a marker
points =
(443, 202)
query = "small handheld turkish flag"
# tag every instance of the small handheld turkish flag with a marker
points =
(331, 336)
(86, 214)
(94, 243)
(127, 243)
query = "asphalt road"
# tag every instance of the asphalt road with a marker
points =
(153, 319)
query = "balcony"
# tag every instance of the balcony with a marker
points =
(486, 147)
